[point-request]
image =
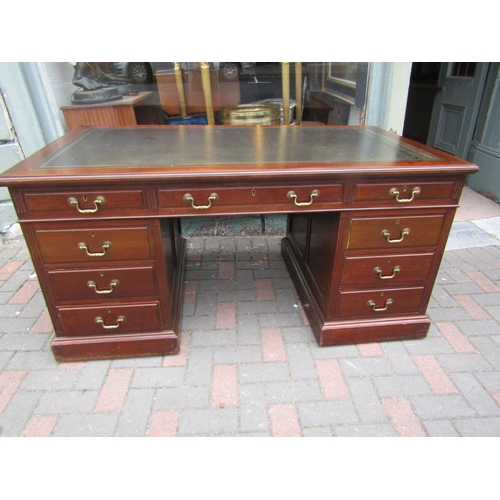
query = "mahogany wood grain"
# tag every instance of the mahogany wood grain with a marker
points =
(334, 240)
(73, 284)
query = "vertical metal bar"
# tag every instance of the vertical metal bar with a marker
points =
(285, 76)
(180, 88)
(298, 93)
(207, 92)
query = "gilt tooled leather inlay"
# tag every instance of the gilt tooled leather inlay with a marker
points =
(206, 146)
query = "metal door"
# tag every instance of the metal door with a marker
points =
(456, 106)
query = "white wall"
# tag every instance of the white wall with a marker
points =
(388, 85)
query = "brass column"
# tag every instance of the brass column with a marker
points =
(285, 73)
(207, 92)
(298, 93)
(180, 88)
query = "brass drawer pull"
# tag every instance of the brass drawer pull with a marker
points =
(100, 200)
(387, 235)
(372, 304)
(378, 271)
(112, 284)
(292, 195)
(106, 245)
(119, 320)
(394, 192)
(188, 198)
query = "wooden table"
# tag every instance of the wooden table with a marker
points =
(369, 214)
(120, 113)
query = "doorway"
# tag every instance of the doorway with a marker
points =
(443, 104)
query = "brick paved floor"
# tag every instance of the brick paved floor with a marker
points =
(249, 364)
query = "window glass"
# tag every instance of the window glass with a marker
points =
(227, 93)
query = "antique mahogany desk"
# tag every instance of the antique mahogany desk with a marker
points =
(369, 214)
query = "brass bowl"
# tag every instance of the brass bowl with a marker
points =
(251, 114)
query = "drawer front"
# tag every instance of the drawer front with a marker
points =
(251, 199)
(99, 245)
(404, 194)
(104, 284)
(386, 270)
(112, 320)
(395, 232)
(93, 203)
(379, 303)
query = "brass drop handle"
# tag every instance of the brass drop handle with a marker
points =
(387, 235)
(394, 192)
(188, 198)
(372, 304)
(378, 271)
(112, 284)
(100, 200)
(293, 196)
(105, 247)
(119, 320)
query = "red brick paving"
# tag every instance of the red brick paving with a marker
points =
(43, 324)
(404, 420)
(181, 358)
(40, 426)
(496, 395)
(483, 281)
(456, 338)
(163, 424)
(284, 420)
(471, 307)
(9, 382)
(25, 293)
(436, 377)
(226, 316)
(273, 345)
(331, 379)
(259, 256)
(9, 269)
(114, 390)
(71, 366)
(226, 270)
(190, 289)
(265, 289)
(370, 350)
(225, 386)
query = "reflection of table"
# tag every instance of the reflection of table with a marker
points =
(369, 216)
(109, 114)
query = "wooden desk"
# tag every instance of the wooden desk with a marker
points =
(119, 113)
(369, 216)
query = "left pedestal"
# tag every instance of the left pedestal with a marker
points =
(113, 288)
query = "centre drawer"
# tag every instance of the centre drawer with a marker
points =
(287, 197)
(395, 232)
(103, 284)
(99, 244)
(112, 320)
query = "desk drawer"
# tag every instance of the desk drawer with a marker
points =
(112, 320)
(103, 284)
(395, 232)
(103, 244)
(249, 199)
(387, 270)
(84, 203)
(404, 194)
(379, 303)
